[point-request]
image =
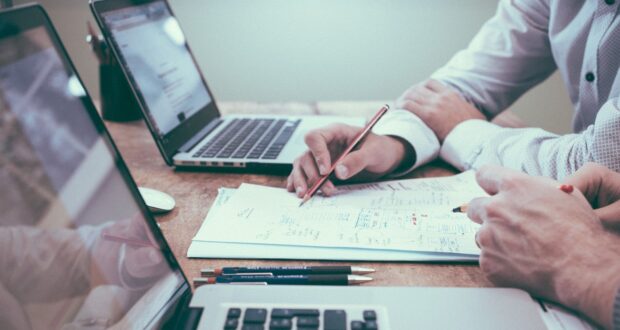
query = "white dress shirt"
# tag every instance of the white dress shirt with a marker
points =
(524, 43)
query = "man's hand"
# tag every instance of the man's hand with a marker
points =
(439, 106)
(377, 156)
(601, 186)
(550, 243)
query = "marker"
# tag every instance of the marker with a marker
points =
(287, 270)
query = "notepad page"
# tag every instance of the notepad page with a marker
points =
(405, 215)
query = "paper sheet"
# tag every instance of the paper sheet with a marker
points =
(405, 215)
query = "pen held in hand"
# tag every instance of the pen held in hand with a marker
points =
(567, 188)
(357, 141)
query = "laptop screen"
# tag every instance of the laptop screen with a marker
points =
(159, 65)
(76, 249)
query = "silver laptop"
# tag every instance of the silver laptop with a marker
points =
(177, 104)
(81, 251)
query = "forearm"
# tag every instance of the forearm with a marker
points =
(535, 151)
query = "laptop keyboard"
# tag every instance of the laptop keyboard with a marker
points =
(249, 138)
(298, 318)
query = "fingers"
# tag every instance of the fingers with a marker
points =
(352, 164)
(588, 179)
(476, 209)
(435, 86)
(494, 178)
(319, 141)
(610, 216)
(305, 173)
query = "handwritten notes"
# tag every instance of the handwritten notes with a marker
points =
(406, 215)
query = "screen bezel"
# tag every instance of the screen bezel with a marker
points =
(18, 19)
(169, 144)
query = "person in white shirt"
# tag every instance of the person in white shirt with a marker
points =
(448, 115)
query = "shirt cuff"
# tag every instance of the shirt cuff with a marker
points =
(410, 128)
(466, 141)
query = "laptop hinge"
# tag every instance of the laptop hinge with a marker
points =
(200, 135)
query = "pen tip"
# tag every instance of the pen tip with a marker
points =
(456, 210)
(303, 201)
(208, 272)
(361, 270)
(357, 279)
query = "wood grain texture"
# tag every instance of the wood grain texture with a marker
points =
(194, 193)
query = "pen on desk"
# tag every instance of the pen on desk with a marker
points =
(567, 188)
(358, 139)
(126, 240)
(339, 279)
(287, 270)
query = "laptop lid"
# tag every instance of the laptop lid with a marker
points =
(151, 48)
(78, 247)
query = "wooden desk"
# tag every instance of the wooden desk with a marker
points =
(195, 192)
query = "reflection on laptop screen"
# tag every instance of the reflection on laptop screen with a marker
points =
(75, 250)
(154, 50)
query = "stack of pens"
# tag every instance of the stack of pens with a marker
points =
(310, 275)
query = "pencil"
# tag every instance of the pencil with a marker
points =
(358, 139)
(567, 188)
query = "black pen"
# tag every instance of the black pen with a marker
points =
(339, 279)
(287, 270)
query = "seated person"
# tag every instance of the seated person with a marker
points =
(561, 246)
(446, 116)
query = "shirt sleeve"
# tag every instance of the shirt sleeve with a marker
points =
(509, 55)
(410, 128)
(474, 143)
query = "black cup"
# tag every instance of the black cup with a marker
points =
(117, 100)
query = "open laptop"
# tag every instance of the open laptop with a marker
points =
(177, 104)
(81, 251)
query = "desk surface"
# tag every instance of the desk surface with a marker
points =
(194, 193)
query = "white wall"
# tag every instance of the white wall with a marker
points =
(308, 50)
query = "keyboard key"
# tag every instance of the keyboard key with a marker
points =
(234, 313)
(231, 324)
(371, 325)
(307, 322)
(289, 313)
(280, 324)
(357, 325)
(370, 315)
(252, 327)
(255, 315)
(334, 319)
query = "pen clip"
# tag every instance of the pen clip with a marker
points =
(247, 274)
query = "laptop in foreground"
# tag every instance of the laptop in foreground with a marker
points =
(177, 104)
(81, 251)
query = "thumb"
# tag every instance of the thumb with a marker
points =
(352, 164)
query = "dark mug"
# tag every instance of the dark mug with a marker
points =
(118, 103)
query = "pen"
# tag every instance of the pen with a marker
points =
(567, 188)
(287, 270)
(358, 139)
(338, 279)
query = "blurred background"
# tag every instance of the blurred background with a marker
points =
(320, 50)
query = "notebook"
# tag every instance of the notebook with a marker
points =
(403, 220)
